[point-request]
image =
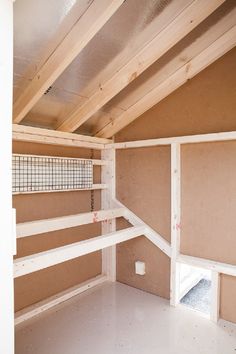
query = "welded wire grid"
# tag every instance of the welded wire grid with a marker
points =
(41, 173)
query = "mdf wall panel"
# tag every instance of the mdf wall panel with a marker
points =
(208, 202)
(205, 104)
(228, 298)
(143, 179)
(44, 283)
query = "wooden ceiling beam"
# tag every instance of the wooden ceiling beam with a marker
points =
(178, 28)
(217, 49)
(97, 14)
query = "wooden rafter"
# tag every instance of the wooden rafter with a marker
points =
(217, 49)
(178, 28)
(97, 14)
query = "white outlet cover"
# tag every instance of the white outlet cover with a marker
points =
(140, 268)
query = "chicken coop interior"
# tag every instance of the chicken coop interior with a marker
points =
(118, 155)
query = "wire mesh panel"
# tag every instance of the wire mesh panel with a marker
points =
(45, 173)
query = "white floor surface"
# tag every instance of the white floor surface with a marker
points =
(118, 319)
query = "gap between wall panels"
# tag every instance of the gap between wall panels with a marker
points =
(111, 208)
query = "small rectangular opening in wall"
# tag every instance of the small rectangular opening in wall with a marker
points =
(47, 173)
(195, 288)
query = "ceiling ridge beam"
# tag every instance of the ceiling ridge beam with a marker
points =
(94, 18)
(217, 49)
(178, 28)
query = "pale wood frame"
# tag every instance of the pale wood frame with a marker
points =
(52, 137)
(187, 139)
(37, 227)
(42, 260)
(108, 177)
(150, 234)
(175, 222)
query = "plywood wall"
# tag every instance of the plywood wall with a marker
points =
(205, 104)
(42, 284)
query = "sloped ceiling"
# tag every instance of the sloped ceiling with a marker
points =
(40, 26)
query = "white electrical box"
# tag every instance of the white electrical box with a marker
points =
(140, 268)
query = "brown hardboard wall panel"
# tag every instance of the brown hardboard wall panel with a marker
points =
(208, 202)
(42, 284)
(143, 185)
(205, 104)
(228, 298)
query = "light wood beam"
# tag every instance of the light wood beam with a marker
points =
(29, 264)
(224, 268)
(97, 14)
(185, 139)
(217, 49)
(37, 227)
(178, 28)
(52, 137)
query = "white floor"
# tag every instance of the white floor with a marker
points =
(117, 319)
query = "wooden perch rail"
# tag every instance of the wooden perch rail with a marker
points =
(29, 264)
(31, 228)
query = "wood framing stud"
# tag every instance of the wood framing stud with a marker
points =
(175, 222)
(215, 296)
(108, 177)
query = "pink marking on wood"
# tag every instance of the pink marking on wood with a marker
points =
(95, 217)
(178, 226)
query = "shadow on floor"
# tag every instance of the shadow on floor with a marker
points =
(198, 298)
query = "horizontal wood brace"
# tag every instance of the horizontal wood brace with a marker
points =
(31, 228)
(224, 268)
(52, 137)
(95, 162)
(187, 139)
(94, 187)
(42, 260)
